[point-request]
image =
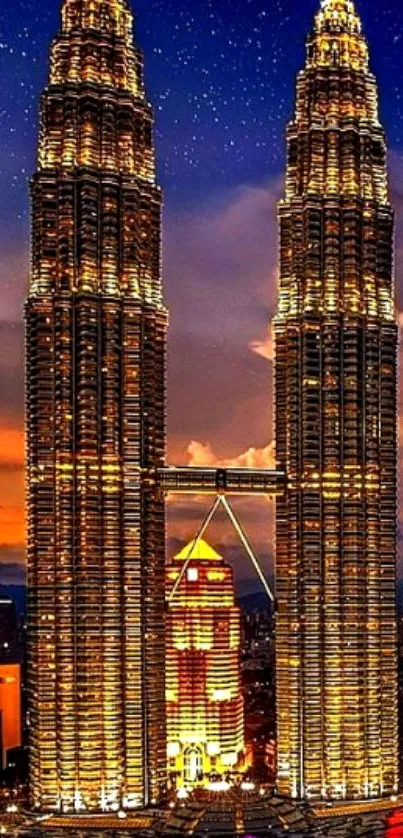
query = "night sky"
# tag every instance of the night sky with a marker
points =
(221, 77)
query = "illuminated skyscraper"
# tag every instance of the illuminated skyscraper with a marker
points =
(10, 710)
(9, 652)
(336, 341)
(205, 714)
(96, 333)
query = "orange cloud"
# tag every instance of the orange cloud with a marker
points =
(221, 289)
(256, 513)
(264, 348)
(12, 447)
(202, 454)
(12, 526)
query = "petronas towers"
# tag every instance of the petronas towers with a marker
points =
(96, 341)
(96, 326)
(336, 342)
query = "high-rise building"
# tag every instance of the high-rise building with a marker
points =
(205, 713)
(10, 710)
(9, 651)
(336, 341)
(96, 335)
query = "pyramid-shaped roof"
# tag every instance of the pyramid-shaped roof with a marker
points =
(200, 551)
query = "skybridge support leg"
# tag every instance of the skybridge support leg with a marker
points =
(247, 546)
(193, 546)
(223, 500)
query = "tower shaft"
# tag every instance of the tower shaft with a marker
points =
(96, 337)
(336, 362)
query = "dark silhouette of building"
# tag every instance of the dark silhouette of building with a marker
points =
(9, 634)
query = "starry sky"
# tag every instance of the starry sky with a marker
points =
(221, 77)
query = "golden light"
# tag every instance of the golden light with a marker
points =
(10, 709)
(219, 786)
(205, 724)
(336, 340)
(96, 335)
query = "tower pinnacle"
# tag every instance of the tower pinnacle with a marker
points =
(108, 16)
(340, 7)
(97, 69)
(337, 39)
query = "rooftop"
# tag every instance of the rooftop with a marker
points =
(199, 550)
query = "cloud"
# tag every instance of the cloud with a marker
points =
(12, 573)
(186, 516)
(221, 281)
(12, 564)
(223, 258)
(264, 348)
(14, 554)
(12, 489)
(220, 278)
(14, 271)
(10, 467)
(11, 374)
(220, 273)
(202, 454)
(11, 447)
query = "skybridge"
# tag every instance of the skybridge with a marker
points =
(221, 483)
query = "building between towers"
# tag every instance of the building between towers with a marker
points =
(205, 708)
(336, 431)
(95, 355)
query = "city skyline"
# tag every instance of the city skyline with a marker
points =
(103, 660)
(236, 211)
(97, 477)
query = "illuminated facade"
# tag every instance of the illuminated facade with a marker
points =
(96, 334)
(9, 652)
(10, 709)
(205, 713)
(336, 341)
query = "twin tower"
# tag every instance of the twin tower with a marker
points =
(96, 430)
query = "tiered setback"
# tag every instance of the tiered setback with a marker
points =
(96, 337)
(336, 343)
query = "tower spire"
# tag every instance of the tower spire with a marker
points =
(108, 16)
(337, 38)
(95, 55)
(339, 6)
